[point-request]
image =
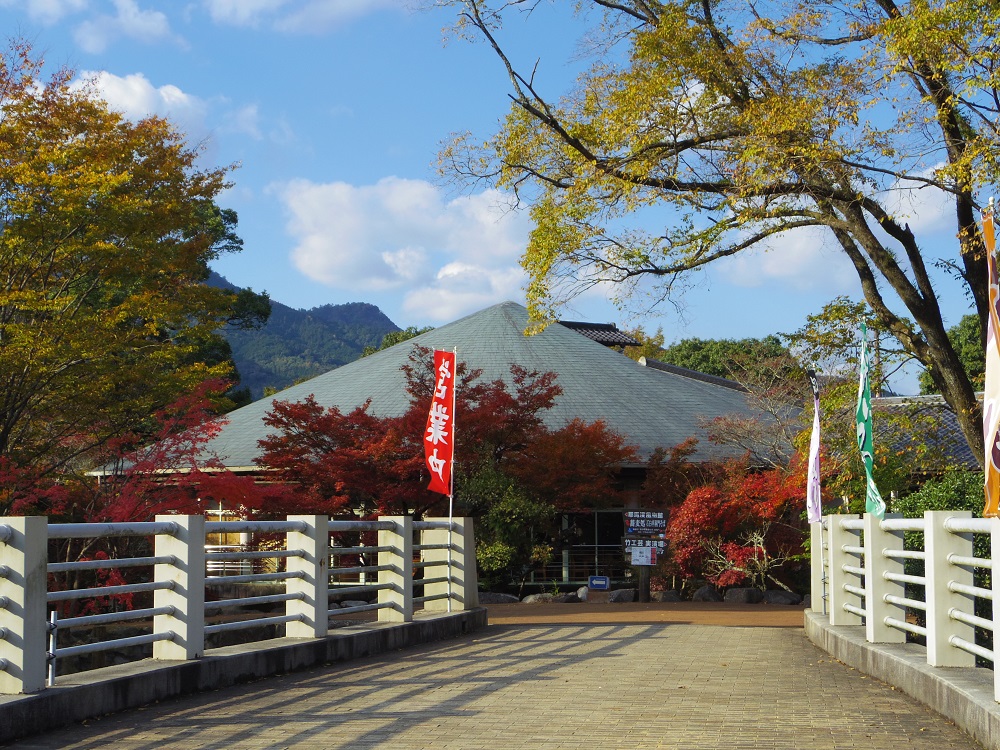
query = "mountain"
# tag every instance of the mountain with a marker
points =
(299, 344)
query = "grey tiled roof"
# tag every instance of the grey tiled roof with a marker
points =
(946, 436)
(603, 333)
(652, 407)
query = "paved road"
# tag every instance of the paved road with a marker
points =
(546, 686)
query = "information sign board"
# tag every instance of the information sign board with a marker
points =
(631, 542)
(645, 522)
(643, 556)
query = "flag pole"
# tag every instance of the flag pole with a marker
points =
(440, 435)
(451, 479)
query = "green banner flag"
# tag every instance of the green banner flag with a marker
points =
(873, 499)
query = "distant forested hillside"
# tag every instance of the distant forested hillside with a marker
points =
(299, 344)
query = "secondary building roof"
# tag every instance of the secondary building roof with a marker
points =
(936, 424)
(603, 333)
(652, 406)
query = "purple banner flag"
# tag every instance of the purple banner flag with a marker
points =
(814, 502)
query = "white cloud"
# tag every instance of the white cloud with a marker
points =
(242, 12)
(803, 259)
(296, 16)
(446, 257)
(246, 120)
(406, 263)
(482, 222)
(135, 97)
(924, 208)
(460, 289)
(130, 21)
(46, 12)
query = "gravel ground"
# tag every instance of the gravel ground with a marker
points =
(693, 613)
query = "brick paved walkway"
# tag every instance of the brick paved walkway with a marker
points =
(510, 687)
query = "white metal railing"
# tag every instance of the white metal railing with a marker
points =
(171, 583)
(859, 577)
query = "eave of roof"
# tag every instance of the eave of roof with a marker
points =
(693, 374)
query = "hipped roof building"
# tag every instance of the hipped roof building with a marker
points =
(653, 405)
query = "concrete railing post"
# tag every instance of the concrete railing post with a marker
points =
(400, 574)
(23, 576)
(187, 595)
(939, 545)
(839, 537)
(817, 566)
(877, 586)
(314, 583)
(995, 584)
(464, 583)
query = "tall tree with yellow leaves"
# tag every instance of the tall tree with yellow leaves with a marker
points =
(106, 230)
(746, 120)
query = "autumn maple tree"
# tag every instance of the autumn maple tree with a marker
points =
(700, 129)
(570, 468)
(740, 528)
(129, 484)
(339, 463)
(107, 228)
(670, 475)
(502, 428)
(162, 467)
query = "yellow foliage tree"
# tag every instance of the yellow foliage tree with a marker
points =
(746, 120)
(106, 231)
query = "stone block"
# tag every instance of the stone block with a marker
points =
(706, 594)
(665, 596)
(779, 596)
(622, 596)
(744, 596)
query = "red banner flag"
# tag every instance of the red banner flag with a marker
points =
(439, 436)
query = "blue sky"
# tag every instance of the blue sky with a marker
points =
(334, 112)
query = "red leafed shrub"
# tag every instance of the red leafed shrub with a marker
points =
(161, 469)
(158, 469)
(740, 529)
(334, 462)
(569, 467)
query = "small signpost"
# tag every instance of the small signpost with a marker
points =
(598, 589)
(644, 541)
(599, 583)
